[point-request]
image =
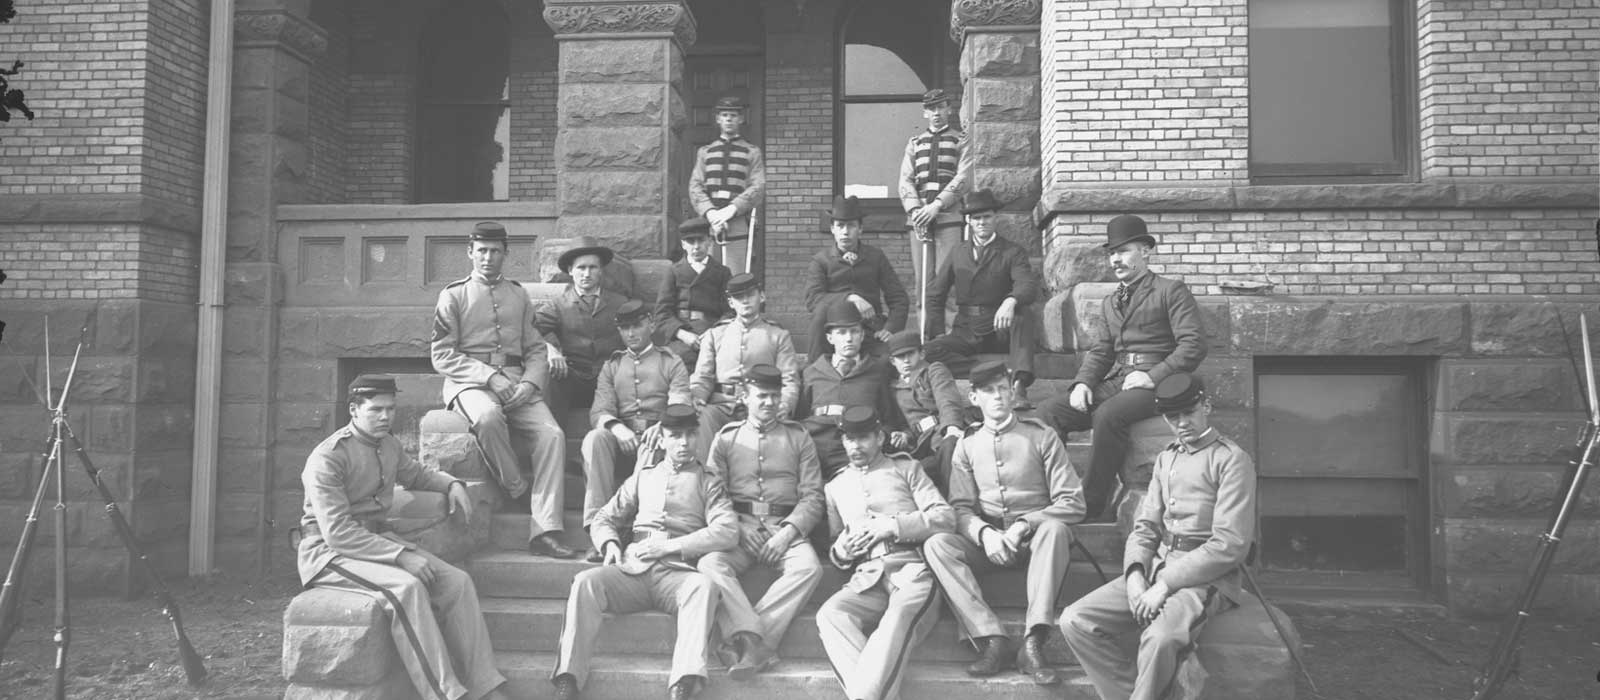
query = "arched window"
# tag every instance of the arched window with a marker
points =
(464, 107)
(893, 51)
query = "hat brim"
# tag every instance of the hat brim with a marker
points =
(697, 233)
(979, 210)
(565, 261)
(1118, 243)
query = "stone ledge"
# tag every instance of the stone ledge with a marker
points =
(99, 209)
(415, 212)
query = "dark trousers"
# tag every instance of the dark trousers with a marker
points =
(957, 348)
(1112, 416)
(934, 456)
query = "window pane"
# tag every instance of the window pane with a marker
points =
(461, 156)
(874, 70)
(1333, 424)
(1322, 84)
(875, 138)
(892, 47)
(466, 54)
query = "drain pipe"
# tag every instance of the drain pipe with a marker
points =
(213, 249)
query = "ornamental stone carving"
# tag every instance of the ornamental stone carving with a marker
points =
(580, 17)
(965, 14)
(278, 28)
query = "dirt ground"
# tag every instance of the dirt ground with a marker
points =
(124, 650)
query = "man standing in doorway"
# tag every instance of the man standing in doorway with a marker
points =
(727, 184)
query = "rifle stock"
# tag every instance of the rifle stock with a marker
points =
(193, 667)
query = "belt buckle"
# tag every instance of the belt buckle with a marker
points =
(498, 359)
(760, 509)
(927, 423)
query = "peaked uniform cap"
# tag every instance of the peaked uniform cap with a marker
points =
(936, 96)
(859, 419)
(986, 373)
(373, 384)
(733, 102)
(1178, 392)
(488, 231)
(679, 416)
(742, 283)
(631, 312)
(764, 375)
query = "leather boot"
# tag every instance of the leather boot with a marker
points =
(994, 654)
(566, 687)
(684, 689)
(1031, 659)
(1019, 396)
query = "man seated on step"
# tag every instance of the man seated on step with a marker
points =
(349, 482)
(579, 326)
(1147, 331)
(1182, 562)
(676, 512)
(881, 508)
(935, 410)
(495, 373)
(631, 391)
(770, 467)
(1016, 496)
(734, 344)
(693, 295)
(857, 272)
(840, 379)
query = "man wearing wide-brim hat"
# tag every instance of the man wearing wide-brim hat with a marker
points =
(727, 183)
(993, 286)
(856, 272)
(840, 379)
(580, 325)
(1149, 329)
(934, 174)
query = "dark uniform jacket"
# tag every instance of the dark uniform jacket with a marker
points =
(830, 279)
(683, 289)
(1162, 319)
(586, 336)
(930, 400)
(1002, 270)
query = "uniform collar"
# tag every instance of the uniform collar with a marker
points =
(758, 320)
(1206, 438)
(862, 469)
(366, 438)
(688, 466)
(760, 427)
(1011, 422)
(730, 139)
(649, 348)
(486, 281)
(941, 131)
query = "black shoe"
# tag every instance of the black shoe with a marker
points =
(1031, 660)
(754, 657)
(994, 655)
(684, 689)
(548, 545)
(520, 503)
(594, 556)
(566, 687)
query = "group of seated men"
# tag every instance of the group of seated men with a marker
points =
(735, 464)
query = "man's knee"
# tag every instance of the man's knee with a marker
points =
(696, 585)
(492, 417)
(944, 546)
(1053, 531)
(1073, 624)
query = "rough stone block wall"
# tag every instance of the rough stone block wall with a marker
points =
(329, 96)
(1508, 88)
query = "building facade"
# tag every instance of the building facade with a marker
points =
(1386, 207)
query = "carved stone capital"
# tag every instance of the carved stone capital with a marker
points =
(279, 29)
(966, 14)
(619, 17)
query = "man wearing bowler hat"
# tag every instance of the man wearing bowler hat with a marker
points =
(693, 294)
(1148, 330)
(676, 512)
(727, 184)
(631, 391)
(1182, 562)
(936, 411)
(933, 177)
(349, 482)
(881, 508)
(744, 339)
(843, 378)
(860, 273)
(492, 357)
(1016, 497)
(993, 285)
(580, 325)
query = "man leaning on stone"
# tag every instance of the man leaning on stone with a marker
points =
(1016, 496)
(493, 361)
(580, 325)
(676, 512)
(349, 482)
(1148, 330)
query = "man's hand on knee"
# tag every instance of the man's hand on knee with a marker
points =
(1137, 380)
(418, 566)
(1081, 397)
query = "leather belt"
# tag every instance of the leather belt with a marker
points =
(687, 315)
(729, 388)
(1141, 358)
(496, 359)
(832, 409)
(1182, 543)
(976, 310)
(883, 549)
(761, 509)
(644, 535)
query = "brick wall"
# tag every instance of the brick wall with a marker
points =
(382, 102)
(329, 106)
(70, 261)
(533, 106)
(175, 100)
(1508, 88)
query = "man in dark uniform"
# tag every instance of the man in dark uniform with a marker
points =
(933, 176)
(993, 284)
(727, 184)
(857, 272)
(935, 411)
(1182, 562)
(677, 512)
(493, 361)
(744, 339)
(1148, 330)
(692, 299)
(881, 508)
(349, 482)
(580, 326)
(770, 466)
(632, 390)
(1016, 496)
(841, 379)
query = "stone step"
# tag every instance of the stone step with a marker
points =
(630, 677)
(525, 624)
(516, 574)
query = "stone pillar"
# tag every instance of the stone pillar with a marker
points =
(274, 47)
(1000, 105)
(622, 155)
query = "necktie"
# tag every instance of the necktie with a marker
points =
(1124, 293)
(844, 365)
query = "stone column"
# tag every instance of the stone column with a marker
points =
(274, 46)
(1000, 105)
(622, 157)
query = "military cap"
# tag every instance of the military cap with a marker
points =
(631, 312)
(585, 245)
(1126, 229)
(846, 209)
(764, 375)
(936, 96)
(904, 341)
(1179, 392)
(679, 416)
(373, 384)
(986, 373)
(979, 201)
(842, 314)
(489, 231)
(742, 283)
(858, 420)
(696, 227)
(731, 102)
